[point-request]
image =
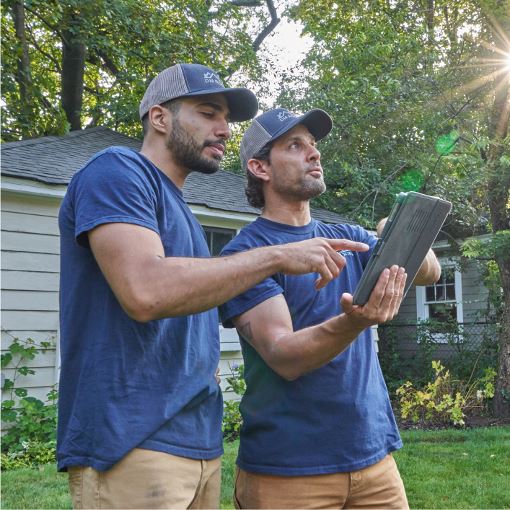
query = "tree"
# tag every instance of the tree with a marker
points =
(419, 93)
(70, 64)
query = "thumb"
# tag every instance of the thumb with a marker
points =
(346, 302)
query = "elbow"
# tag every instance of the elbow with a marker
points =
(140, 307)
(284, 365)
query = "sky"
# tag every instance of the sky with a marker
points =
(285, 47)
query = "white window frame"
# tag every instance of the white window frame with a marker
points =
(422, 309)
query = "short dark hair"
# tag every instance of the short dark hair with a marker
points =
(174, 105)
(253, 188)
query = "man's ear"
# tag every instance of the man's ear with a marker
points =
(159, 118)
(259, 168)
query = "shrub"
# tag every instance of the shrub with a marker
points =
(31, 454)
(445, 400)
(31, 424)
(232, 419)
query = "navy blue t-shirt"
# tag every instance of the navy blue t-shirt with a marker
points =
(336, 418)
(123, 383)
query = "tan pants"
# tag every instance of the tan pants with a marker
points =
(148, 479)
(377, 486)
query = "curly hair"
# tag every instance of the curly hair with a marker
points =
(253, 188)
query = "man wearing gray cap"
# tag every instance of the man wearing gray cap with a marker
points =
(318, 429)
(139, 406)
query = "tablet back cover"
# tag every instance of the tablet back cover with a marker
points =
(412, 227)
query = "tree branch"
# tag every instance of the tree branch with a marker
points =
(246, 3)
(269, 28)
(49, 56)
(54, 28)
(97, 56)
(261, 36)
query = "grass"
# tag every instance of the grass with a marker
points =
(441, 469)
(456, 468)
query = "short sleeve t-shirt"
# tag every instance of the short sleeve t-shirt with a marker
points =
(336, 418)
(123, 383)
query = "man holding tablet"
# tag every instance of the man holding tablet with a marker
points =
(318, 429)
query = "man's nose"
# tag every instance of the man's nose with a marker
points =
(314, 154)
(223, 130)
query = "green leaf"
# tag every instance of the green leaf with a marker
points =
(6, 359)
(20, 392)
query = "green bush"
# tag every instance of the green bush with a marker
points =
(30, 424)
(445, 400)
(30, 455)
(232, 419)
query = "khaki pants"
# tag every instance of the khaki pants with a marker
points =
(377, 486)
(148, 479)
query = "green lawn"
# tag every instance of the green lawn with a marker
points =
(441, 469)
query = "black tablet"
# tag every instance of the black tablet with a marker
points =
(411, 228)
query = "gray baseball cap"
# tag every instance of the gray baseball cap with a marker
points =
(272, 124)
(183, 80)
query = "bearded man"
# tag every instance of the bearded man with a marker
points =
(140, 408)
(318, 429)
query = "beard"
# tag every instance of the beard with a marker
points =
(188, 153)
(306, 189)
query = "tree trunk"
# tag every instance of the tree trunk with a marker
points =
(73, 68)
(23, 75)
(498, 195)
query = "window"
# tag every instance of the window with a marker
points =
(217, 238)
(441, 301)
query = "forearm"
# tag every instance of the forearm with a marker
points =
(173, 286)
(294, 354)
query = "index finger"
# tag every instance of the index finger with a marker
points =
(345, 244)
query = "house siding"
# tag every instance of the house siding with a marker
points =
(474, 293)
(30, 277)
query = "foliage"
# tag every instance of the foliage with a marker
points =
(31, 424)
(408, 88)
(122, 45)
(445, 400)
(232, 419)
(31, 454)
(485, 250)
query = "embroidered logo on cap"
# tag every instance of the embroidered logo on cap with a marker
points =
(212, 78)
(284, 115)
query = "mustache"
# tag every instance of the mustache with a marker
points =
(220, 141)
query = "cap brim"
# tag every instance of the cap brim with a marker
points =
(242, 103)
(317, 121)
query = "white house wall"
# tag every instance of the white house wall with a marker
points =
(30, 278)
